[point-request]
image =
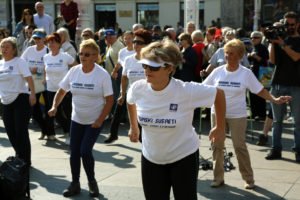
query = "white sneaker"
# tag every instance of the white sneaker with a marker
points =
(67, 140)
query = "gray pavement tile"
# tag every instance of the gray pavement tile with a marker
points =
(118, 170)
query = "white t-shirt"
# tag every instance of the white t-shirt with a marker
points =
(234, 85)
(88, 92)
(166, 117)
(133, 70)
(56, 68)
(12, 82)
(123, 54)
(68, 48)
(34, 59)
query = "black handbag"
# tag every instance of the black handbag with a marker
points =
(14, 179)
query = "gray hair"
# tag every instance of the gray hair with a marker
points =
(64, 32)
(169, 30)
(198, 35)
(137, 26)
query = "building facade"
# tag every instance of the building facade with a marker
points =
(105, 13)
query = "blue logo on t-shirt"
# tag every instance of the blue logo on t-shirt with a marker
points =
(173, 107)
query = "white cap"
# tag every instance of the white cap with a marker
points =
(152, 63)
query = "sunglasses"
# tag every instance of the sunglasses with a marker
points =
(255, 38)
(151, 68)
(138, 42)
(86, 54)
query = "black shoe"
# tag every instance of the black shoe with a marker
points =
(110, 139)
(72, 190)
(297, 156)
(273, 155)
(263, 140)
(93, 189)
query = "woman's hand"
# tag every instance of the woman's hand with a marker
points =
(52, 112)
(216, 134)
(32, 99)
(134, 134)
(33, 70)
(121, 100)
(96, 124)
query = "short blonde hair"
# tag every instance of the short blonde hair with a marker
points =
(162, 51)
(89, 43)
(13, 42)
(237, 45)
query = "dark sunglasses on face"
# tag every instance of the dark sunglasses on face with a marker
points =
(151, 68)
(86, 54)
(138, 42)
(255, 37)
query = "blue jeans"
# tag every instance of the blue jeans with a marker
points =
(83, 138)
(279, 113)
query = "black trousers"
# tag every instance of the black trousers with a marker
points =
(181, 175)
(117, 116)
(41, 116)
(63, 115)
(16, 118)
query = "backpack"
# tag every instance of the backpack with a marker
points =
(14, 179)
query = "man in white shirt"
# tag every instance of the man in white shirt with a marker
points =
(43, 20)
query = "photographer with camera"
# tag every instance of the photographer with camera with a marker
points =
(285, 54)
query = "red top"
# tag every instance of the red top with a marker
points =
(69, 13)
(198, 48)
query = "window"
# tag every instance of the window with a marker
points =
(147, 14)
(105, 16)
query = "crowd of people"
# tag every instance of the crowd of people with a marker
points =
(46, 76)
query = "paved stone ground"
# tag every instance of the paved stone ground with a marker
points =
(118, 168)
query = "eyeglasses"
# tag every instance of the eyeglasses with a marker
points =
(255, 38)
(86, 35)
(151, 68)
(36, 38)
(86, 54)
(288, 24)
(138, 42)
(26, 13)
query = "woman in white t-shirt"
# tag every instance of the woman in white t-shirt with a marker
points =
(132, 71)
(57, 65)
(92, 100)
(235, 79)
(34, 57)
(164, 107)
(15, 78)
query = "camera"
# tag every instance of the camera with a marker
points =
(274, 32)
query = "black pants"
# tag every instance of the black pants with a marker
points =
(40, 115)
(115, 122)
(16, 119)
(63, 114)
(181, 176)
